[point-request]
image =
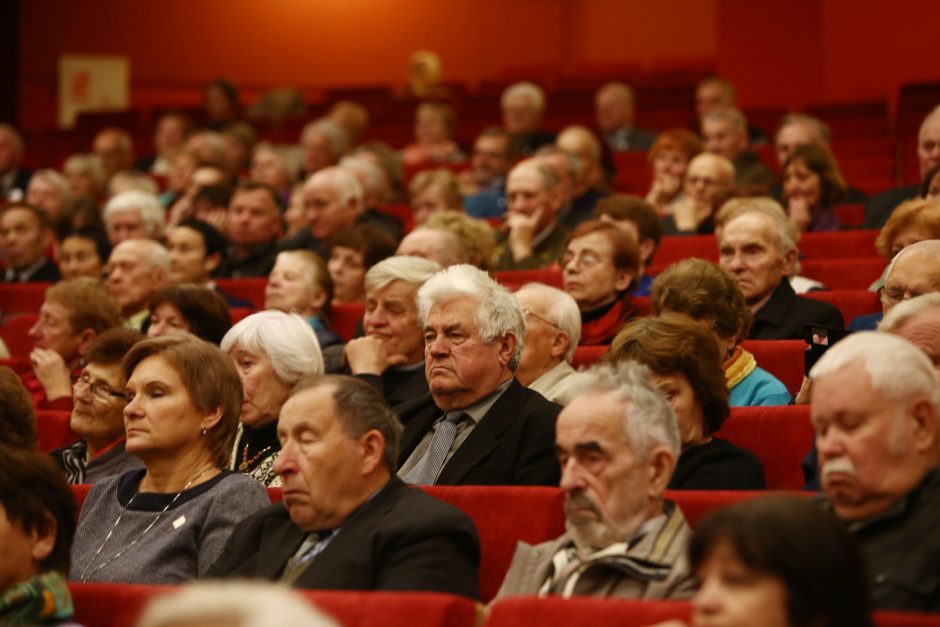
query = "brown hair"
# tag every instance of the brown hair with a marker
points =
(441, 177)
(820, 161)
(444, 110)
(626, 252)
(209, 377)
(917, 213)
(111, 346)
(476, 236)
(204, 309)
(679, 139)
(17, 416)
(374, 243)
(703, 291)
(673, 343)
(637, 211)
(89, 303)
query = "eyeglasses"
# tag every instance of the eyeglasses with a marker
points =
(529, 312)
(584, 259)
(101, 391)
(891, 296)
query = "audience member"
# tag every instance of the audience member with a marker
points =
(812, 186)
(424, 75)
(208, 147)
(390, 355)
(567, 167)
(300, 283)
(353, 251)
(220, 100)
(322, 143)
(254, 225)
(912, 221)
(432, 191)
(187, 308)
(136, 269)
(709, 182)
(17, 415)
(930, 184)
(758, 248)
(711, 296)
(295, 215)
(184, 398)
(85, 176)
(617, 444)
(13, 179)
(98, 412)
(669, 159)
(25, 236)
(132, 180)
(114, 150)
(272, 351)
(436, 244)
(435, 123)
(718, 93)
(724, 133)
(361, 525)
(686, 366)
(352, 117)
(50, 191)
(134, 215)
(586, 189)
(552, 332)
(522, 105)
(275, 166)
(638, 220)
(477, 237)
(240, 139)
(918, 321)
(375, 195)
(483, 186)
(876, 422)
(614, 112)
(598, 267)
(168, 138)
(333, 199)
(915, 270)
(382, 155)
(478, 425)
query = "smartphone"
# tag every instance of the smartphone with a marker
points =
(819, 338)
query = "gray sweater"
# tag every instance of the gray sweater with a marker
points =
(183, 544)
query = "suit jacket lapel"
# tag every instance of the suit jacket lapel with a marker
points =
(280, 539)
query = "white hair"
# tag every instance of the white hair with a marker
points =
(151, 211)
(648, 419)
(929, 246)
(901, 313)
(820, 128)
(525, 89)
(498, 312)
(128, 180)
(563, 312)
(414, 271)
(733, 116)
(335, 134)
(286, 339)
(287, 157)
(896, 368)
(54, 178)
(545, 171)
(373, 179)
(346, 184)
(84, 164)
(787, 236)
(248, 604)
(582, 133)
(157, 254)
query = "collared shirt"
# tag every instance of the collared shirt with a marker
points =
(24, 274)
(313, 545)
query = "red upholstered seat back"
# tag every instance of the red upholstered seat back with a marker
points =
(21, 297)
(852, 303)
(697, 503)
(514, 279)
(345, 318)
(15, 333)
(781, 358)
(112, 604)
(675, 248)
(855, 273)
(584, 612)
(838, 244)
(54, 429)
(250, 289)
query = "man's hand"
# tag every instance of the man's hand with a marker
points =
(367, 355)
(522, 233)
(689, 214)
(52, 373)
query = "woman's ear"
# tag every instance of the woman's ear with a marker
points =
(43, 542)
(211, 419)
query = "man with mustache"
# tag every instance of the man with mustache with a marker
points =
(875, 407)
(617, 443)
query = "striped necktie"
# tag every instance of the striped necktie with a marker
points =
(427, 469)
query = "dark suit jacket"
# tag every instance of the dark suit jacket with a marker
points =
(47, 272)
(400, 539)
(513, 444)
(785, 314)
(878, 208)
(398, 386)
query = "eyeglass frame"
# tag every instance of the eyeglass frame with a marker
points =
(888, 299)
(101, 391)
(529, 312)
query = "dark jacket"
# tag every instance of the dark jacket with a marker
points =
(785, 314)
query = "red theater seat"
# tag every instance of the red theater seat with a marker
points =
(240, 313)
(844, 274)
(584, 612)
(514, 279)
(250, 289)
(781, 358)
(22, 297)
(837, 244)
(675, 248)
(112, 604)
(585, 356)
(851, 303)
(851, 215)
(697, 503)
(54, 429)
(345, 318)
(15, 333)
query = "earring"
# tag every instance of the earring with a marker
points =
(205, 432)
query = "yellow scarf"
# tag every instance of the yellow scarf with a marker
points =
(739, 365)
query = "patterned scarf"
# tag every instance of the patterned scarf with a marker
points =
(42, 600)
(738, 366)
(74, 460)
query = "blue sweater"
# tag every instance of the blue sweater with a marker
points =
(759, 388)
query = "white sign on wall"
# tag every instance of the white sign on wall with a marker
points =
(92, 83)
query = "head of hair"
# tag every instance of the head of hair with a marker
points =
(216, 195)
(820, 128)
(928, 119)
(574, 165)
(89, 304)
(732, 116)
(98, 237)
(818, 159)
(786, 235)
(673, 343)
(368, 173)
(249, 185)
(211, 238)
(636, 210)
(209, 377)
(15, 138)
(372, 242)
(918, 214)
(626, 253)
(152, 213)
(156, 253)
(476, 236)
(17, 415)
(411, 270)
(204, 310)
(388, 159)
(545, 172)
(704, 292)
(907, 309)
(110, 347)
(84, 164)
(227, 88)
(335, 134)
(447, 113)
(316, 274)
(287, 340)
(527, 90)
(563, 312)
(132, 180)
(287, 159)
(347, 186)
(675, 139)
(724, 84)
(36, 498)
(498, 313)
(444, 179)
(41, 217)
(52, 177)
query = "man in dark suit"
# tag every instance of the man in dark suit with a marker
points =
(477, 425)
(13, 179)
(614, 111)
(24, 236)
(758, 248)
(346, 522)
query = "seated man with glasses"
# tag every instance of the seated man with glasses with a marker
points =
(914, 271)
(709, 181)
(98, 412)
(600, 264)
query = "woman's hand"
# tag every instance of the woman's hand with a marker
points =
(801, 215)
(664, 189)
(52, 373)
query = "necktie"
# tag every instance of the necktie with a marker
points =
(428, 467)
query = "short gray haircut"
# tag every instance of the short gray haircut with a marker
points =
(498, 312)
(347, 185)
(733, 116)
(157, 254)
(128, 180)
(563, 312)
(287, 157)
(787, 237)
(547, 173)
(904, 311)
(525, 89)
(151, 211)
(819, 127)
(249, 604)
(335, 134)
(896, 368)
(373, 179)
(929, 246)
(414, 271)
(84, 164)
(648, 420)
(54, 178)
(575, 167)
(585, 134)
(287, 340)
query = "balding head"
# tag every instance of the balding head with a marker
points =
(614, 107)
(915, 270)
(333, 199)
(435, 244)
(709, 178)
(584, 145)
(799, 129)
(115, 151)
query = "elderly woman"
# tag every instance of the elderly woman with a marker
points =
(598, 267)
(50, 191)
(812, 186)
(435, 123)
(300, 283)
(37, 521)
(83, 253)
(669, 157)
(168, 522)
(98, 413)
(683, 356)
(708, 294)
(272, 351)
(352, 252)
(912, 221)
(85, 176)
(189, 308)
(134, 214)
(275, 166)
(433, 191)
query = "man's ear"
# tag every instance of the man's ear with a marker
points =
(660, 464)
(85, 338)
(925, 427)
(789, 261)
(372, 447)
(507, 348)
(560, 344)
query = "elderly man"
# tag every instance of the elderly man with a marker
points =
(478, 424)
(718, 93)
(375, 195)
(523, 105)
(333, 200)
(435, 244)
(758, 248)
(915, 270)
(390, 355)
(586, 189)
(137, 268)
(535, 238)
(614, 111)
(13, 180)
(552, 332)
(639, 220)
(25, 235)
(709, 181)
(876, 411)
(918, 321)
(132, 215)
(253, 226)
(483, 184)
(598, 267)
(617, 444)
(724, 132)
(346, 522)
(115, 151)
(322, 143)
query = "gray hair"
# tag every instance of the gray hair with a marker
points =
(373, 179)
(498, 312)
(787, 237)
(547, 173)
(157, 254)
(249, 604)
(525, 89)
(563, 312)
(55, 179)
(819, 127)
(130, 180)
(286, 339)
(84, 164)
(346, 184)
(733, 116)
(621, 89)
(896, 368)
(335, 134)
(286, 156)
(901, 313)
(151, 211)
(414, 271)
(648, 420)
(582, 133)
(929, 246)
(575, 167)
